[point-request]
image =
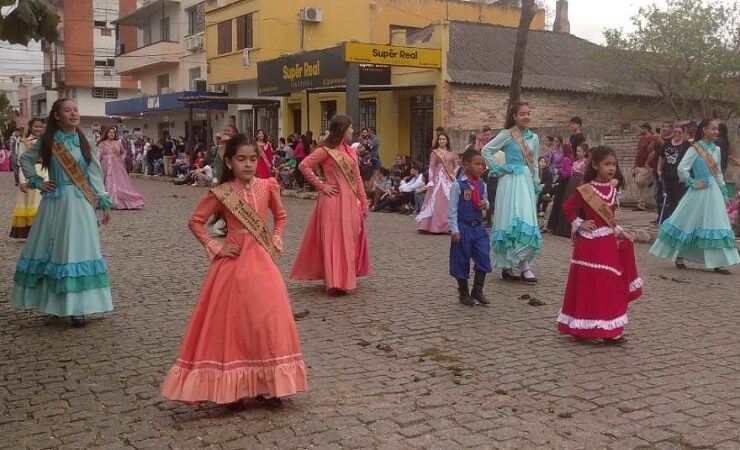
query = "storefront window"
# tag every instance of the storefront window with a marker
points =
(328, 110)
(368, 108)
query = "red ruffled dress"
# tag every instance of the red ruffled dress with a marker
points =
(242, 340)
(603, 275)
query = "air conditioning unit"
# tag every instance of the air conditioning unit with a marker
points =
(199, 85)
(311, 14)
(194, 43)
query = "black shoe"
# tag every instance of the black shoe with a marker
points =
(272, 402)
(78, 321)
(508, 275)
(722, 270)
(477, 292)
(464, 293)
(680, 264)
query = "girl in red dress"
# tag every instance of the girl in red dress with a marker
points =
(267, 157)
(242, 341)
(603, 276)
(334, 247)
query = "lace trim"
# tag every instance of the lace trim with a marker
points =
(597, 233)
(609, 197)
(232, 365)
(596, 266)
(597, 183)
(636, 284)
(590, 324)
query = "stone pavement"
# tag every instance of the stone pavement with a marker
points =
(397, 365)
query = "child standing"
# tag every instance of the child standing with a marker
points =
(241, 341)
(468, 200)
(603, 276)
(28, 200)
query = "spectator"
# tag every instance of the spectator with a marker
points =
(202, 176)
(408, 188)
(128, 149)
(554, 157)
(641, 172)
(577, 137)
(545, 197)
(401, 167)
(382, 186)
(374, 149)
(723, 142)
(669, 157)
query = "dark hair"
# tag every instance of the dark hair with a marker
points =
(256, 133)
(104, 135)
(385, 172)
(512, 112)
(647, 126)
(700, 128)
(576, 119)
(485, 128)
(31, 122)
(436, 141)
(281, 140)
(472, 138)
(723, 131)
(338, 126)
(670, 123)
(364, 129)
(585, 148)
(559, 138)
(233, 128)
(598, 154)
(416, 165)
(469, 154)
(125, 131)
(232, 146)
(52, 125)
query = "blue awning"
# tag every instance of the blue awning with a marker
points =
(155, 103)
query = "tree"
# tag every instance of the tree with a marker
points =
(28, 20)
(7, 116)
(528, 11)
(690, 51)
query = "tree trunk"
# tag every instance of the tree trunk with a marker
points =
(529, 10)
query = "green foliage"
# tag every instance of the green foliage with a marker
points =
(29, 20)
(7, 116)
(690, 50)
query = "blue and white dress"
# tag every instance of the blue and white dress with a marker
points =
(61, 270)
(699, 229)
(515, 237)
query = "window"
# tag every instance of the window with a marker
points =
(193, 74)
(164, 29)
(110, 62)
(110, 93)
(328, 110)
(163, 84)
(99, 23)
(244, 32)
(368, 108)
(146, 36)
(106, 32)
(246, 121)
(224, 37)
(196, 18)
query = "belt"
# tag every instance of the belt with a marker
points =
(471, 223)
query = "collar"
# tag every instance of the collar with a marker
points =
(71, 139)
(526, 134)
(464, 177)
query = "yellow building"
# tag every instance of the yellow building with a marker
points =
(241, 33)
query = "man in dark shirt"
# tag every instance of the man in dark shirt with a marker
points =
(642, 172)
(577, 138)
(669, 156)
(659, 138)
(128, 151)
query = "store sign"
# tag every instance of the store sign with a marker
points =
(393, 55)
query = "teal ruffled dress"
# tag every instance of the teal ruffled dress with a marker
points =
(699, 229)
(516, 236)
(61, 271)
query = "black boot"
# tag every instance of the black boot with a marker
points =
(477, 293)
(462, 288)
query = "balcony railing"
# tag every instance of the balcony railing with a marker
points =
(145, 58)
(53, 80)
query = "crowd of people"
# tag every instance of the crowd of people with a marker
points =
(242, 340)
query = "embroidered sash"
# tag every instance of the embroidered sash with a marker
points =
(73, 170)
(248, 217)
(707, 159)
(448, 167)
(523, 145)
(597, 204)
(345, 167)
(263, 155)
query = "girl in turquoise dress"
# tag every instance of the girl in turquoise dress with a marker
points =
(699, 229)
(61, 271)
(516, 238)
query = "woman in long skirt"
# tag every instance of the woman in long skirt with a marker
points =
(443, 166)
(121, 190)
(61, 271)
(27, 203)
(699, 229)
(334, 247)
(516, 238)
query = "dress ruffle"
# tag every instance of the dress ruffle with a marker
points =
(519, 233)
(698, 238)
(227, 383)
(61, 270)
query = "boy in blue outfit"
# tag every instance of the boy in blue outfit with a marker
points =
(468, 200)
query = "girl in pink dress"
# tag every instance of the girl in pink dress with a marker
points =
(118, 185)
(242, 341)
(443, 166)
(334, 247)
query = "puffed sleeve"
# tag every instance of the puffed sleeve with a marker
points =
(570, 209)
(361, 195)
(279, 216)
(28, 165)
(496, 144)
(433, 161)
(535, 148)
(206, 208)
(309, 162)
(684, 167)
(95, 178)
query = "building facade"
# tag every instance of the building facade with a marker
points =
(167, 56)
(80, 65)
(239, 34)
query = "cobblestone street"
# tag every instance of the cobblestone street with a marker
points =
(397, 365)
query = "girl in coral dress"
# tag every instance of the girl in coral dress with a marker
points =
(443, 166)
(27, 203)
(334, 247)
(121, 190)
(603, 278)
(267, 157)
(242, 341)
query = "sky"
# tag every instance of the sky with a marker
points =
(587, 20)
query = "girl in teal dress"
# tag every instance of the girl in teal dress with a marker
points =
(699, 229)
(515, 237)
(61, 271)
